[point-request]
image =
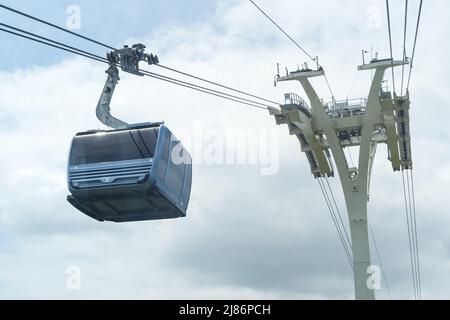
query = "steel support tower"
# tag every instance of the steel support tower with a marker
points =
(324, 127)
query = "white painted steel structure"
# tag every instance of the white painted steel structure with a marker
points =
(325, 130)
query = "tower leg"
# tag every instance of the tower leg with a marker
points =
(357, 210)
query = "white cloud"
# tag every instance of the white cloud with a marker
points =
(246, 235)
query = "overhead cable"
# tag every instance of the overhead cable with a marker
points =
(415, 43)
(112, 48)
(336, 223)
(282, 30)
(58, 45)
(29, 16)
(404, 44)
(390, 43)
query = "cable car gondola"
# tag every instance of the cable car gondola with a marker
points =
(132, 172)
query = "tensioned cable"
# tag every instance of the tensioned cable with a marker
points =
(410, 199)
(49, 40)
(390, 43)
(197, 88)
(413, 229)
(404, 44)
(333, 217)
(55, 26)
(215, 83)
(328, 85)
(409, 236)
(419, 282)
(413, 211)
(284, 32)
(86, 54)
(336, 224)
(353, 85)
(261, 105)
(53, 45)
(338, 212)
(381, 261)
(264, 106)
(415, 42)
(73, 50)
(294, 42)
(411, 223)
(112, 48)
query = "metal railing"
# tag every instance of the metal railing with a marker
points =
(360, 103)
(292, 98)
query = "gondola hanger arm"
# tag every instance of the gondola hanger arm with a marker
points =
(128, 59)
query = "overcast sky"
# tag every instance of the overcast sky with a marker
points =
(247, 234)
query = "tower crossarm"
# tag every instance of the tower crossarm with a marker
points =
(321, 122)
(299, 120)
